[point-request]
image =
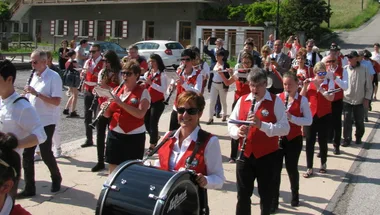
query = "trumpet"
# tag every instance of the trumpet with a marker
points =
(241, 154)
(103, 110)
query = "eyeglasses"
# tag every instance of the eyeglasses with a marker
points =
(190, 111)
(246, 62)
(186, 59)
(93, 51)
(330, 61)
(33, 62)
(321, 73)
(128, 74)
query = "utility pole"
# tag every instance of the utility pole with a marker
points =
(278, 20)
(362, 5)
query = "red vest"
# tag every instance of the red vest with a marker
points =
(318, 103)
(92, 76)
(258, 142)
(167, 149)
(191, 81)
(241, 89)
(18, 210)
(154, 94)
(338, 95)
(295, 110)
(120, 117)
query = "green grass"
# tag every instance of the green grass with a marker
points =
(348, 13)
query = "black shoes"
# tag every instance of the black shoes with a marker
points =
(346, 143)
(56, 185)
(73, 115)
(211, 121)
(65, 111)
(26, 194)
(358, 141)
(336, 150)
(274, 206)
(295, 199)
(98, 167)
(218, 115)
(87, 144)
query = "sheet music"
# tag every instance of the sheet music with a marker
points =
(334, 91)
(106, 93)
(241, 122)
(91, 84)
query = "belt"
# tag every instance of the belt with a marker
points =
(216, 82)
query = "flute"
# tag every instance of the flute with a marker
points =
(251, 110)
(234, 70)
(280, 146)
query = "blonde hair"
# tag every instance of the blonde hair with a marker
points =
(266, 48)
(320, 66)
(192, 97)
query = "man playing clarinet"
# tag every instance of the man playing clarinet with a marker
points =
(258, 151)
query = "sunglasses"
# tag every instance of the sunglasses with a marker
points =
(34, 62)
(93, 51)
(128, 74)
(190, 111)
(330, 61)
(186, 59)
(322, 73)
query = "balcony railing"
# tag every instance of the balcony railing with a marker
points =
(50, 2)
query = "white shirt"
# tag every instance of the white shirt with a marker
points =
(164, 82)
(309, 56)
(48, 84)
(93, 63)
(216, 77)
(280, 128)
(212, 155)
(342, 82)
(369, 66)
(21, 119)
(307, 118)
(376, 57)
(141, 129)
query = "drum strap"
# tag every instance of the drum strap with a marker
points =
(201, 139)
(167, 137)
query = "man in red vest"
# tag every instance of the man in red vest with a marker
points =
(90, 73)
(269, 121)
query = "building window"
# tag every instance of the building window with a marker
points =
(16, 27)
(118, 29)
(59, 27)
(25, 27)
(149, 30)
(84, 25)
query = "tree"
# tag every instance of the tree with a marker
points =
(5, 16)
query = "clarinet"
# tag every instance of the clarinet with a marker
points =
(166, 102)
(30, 78)
(280, 146)
(241, 154)
(102, 111)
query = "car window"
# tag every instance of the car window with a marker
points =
(174, 46)
(143, 46)
(116, 47)
(140, 45)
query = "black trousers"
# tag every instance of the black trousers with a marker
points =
(47, 157)
(246, 173)
(291, 151)
(358, 112)
(335, 131)
(174, 124)
(152, 117)
(101, 128)
(88, 100)
(319, 126)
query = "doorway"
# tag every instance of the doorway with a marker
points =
(38, 30)
(184, 33)
(101, 30)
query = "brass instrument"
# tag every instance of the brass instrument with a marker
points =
(241, 154)
(103, 110)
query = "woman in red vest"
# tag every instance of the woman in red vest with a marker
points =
(316, 91)
(126, 136)
(173, 154)
(108, 78)
(298, 114)
(302, 70)
(341, 81)
(269, 121)
(10, 168)
(157, 84)
(239, 77)
(188, 79)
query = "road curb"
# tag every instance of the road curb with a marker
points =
(350, 174)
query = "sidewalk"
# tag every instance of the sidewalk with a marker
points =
(81, 187)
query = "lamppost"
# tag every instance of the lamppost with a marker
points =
(278, 20)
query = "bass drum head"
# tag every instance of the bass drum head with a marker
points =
(180, 196)
(269, 81)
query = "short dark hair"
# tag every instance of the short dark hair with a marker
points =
(159, 61)
(132, 66)
(376, 44)
(190, 96)
(7, 69)
(189, 53)
(133, 47)
(220, 52)
(83, 42)
(96, 46)
(71, 53)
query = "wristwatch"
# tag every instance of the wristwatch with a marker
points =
(37, 94)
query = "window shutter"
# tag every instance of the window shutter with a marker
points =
(76, 28)
(125, 29)
(65, 27)
(52, 27)
(91, 28)
(108, 28)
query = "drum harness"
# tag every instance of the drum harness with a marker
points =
(202, 137)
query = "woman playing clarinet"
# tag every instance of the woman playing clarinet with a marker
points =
(173, 155)
(157, 84)
(298, 114)
(239, 77)
(108, 78)
(126, 136)
(316, 91)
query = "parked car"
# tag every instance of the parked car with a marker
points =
(105, 46)
(169, 51)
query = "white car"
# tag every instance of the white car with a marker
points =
(169, 51)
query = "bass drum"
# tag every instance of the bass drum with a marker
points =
(134, 188)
